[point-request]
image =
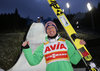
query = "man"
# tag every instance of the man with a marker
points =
(38, 19)
(59, 53)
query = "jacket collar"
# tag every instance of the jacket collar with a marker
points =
(54, 39)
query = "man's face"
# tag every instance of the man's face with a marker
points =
(38, 20)
(51, 31)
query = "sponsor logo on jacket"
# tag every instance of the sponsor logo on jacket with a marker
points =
(56, 52)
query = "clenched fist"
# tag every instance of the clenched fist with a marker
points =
(25, 44)
(82, 42)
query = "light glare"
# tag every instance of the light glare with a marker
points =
(89, 6)
(67, 5)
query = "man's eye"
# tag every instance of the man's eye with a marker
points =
(50, 28)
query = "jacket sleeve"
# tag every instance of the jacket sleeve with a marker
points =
(36, 57)
(73, 53)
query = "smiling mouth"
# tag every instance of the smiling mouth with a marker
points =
(51, 32)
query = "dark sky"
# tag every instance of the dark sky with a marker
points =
(35, 8)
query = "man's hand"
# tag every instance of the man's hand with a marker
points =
(82, 42)
(25, 44)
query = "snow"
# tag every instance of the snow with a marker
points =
(35, 36)
(1, 69)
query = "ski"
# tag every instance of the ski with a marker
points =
(86, 56)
